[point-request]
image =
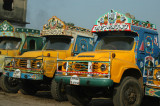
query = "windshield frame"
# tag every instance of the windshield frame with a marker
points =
(55, 37)
(103, 34)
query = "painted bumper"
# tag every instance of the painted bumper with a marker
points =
(29, 76)
(85, 81)
(152, 91)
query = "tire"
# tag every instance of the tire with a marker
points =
(10, 85)
(58, 91)
(28, 88)
(128, 93)
(77, 96)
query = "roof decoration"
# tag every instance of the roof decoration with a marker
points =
(115, 21)
(27, 30)
(144, 24)
(7, 30)
(57, 27)
(6, 26)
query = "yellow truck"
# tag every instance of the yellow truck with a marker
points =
(16, 41)
(124, 54)
(35, 70)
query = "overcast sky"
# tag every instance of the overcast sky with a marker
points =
(84, 13)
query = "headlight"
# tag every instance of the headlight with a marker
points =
(103, 67)
(158, 75)
(38, 64)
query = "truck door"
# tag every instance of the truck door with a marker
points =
(83, 44)
(151, 53)
(32, 44)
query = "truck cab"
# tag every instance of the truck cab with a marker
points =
(16, 41)
(36, 68)
(117, 66)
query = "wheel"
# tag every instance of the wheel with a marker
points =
(28, 88)
(58, 91)
(10, 85)
(128, 93)
(77, 96)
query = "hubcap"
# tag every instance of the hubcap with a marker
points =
(130, 96)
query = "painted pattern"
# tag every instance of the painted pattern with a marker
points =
(55, 26)
(115, 21)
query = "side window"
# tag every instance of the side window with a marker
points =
(32, 45)
(83, 44)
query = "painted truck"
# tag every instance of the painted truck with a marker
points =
(35, 70)
(16, 41)
(118, 66)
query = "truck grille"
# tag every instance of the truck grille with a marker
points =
(23, 63)
(80, 66)
(84, 68)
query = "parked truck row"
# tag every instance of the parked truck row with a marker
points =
(123, 63)
(35, 70)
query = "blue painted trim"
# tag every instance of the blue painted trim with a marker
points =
(25, 75)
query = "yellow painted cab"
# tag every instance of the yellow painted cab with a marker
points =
(35, 70)
(116, 67)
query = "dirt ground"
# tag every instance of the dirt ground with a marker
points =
(45, 99)
(40, 99)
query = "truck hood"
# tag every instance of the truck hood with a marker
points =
(104, 55)
(40, 54)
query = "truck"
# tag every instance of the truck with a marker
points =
(16, 41)
(124, 60)
(35, 70)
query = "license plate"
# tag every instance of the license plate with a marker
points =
(75, 80)
(17, 73)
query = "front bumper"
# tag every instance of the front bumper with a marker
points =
(29, 76)
(86, 81)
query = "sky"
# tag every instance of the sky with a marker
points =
(84, 13)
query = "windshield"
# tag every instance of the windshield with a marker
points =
(115, 43)
(9, 43)
(58, 43)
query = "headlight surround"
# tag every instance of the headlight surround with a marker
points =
(103, 67)
(38, 64)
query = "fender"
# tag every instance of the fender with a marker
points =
(119, 67)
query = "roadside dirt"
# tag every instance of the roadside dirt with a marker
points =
(45, 99)
(41, 99)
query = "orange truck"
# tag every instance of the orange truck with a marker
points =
(121, 66)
